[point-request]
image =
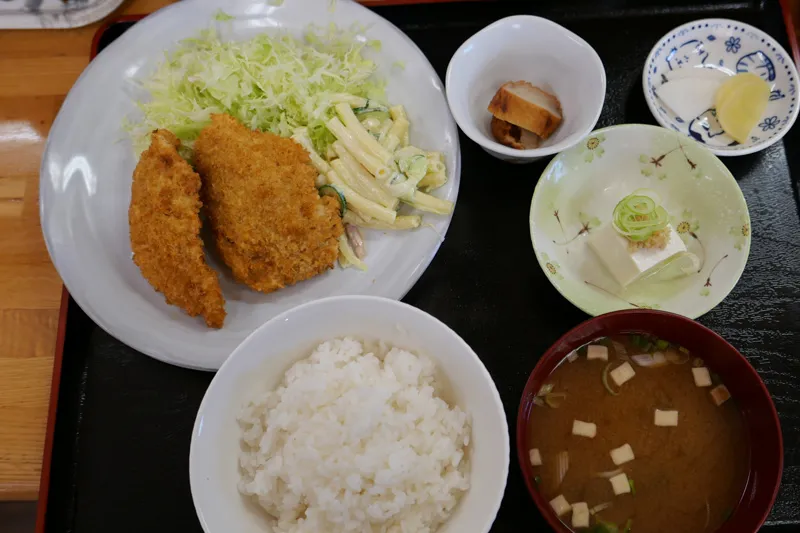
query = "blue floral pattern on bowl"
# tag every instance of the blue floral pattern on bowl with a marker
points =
(732, 44)
(730, 47)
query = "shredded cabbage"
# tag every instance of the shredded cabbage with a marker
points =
(270, 83)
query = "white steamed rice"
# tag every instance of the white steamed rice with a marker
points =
(355, 442)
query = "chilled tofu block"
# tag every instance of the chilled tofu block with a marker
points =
(622, 373)
(620, 484)
(625, 265)
(666, 418)
(580, 515)
(560, 505)
(702, 377)
(720, 394)
(622, 455)
(535, 457)
(597, 351)
(584, 429)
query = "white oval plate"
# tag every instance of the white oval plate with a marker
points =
(88, 162)
(727, 47)
(581, 186)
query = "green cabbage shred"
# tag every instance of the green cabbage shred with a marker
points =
(271, 83)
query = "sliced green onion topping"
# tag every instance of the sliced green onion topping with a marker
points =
(638, 216)
(555, 399)
(633, 488)
(605, 381)
(604, 527)
(638, 341)
(628, 526)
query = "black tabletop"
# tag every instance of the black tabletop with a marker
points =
(124, 420)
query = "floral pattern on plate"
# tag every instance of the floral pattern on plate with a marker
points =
(575, 196)
(730, 47)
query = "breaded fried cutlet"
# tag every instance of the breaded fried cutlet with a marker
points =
(270, 225)
(164, 217)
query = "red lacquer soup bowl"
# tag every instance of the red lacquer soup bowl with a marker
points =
(765, 443)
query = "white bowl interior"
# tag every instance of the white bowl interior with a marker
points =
(260, 362)
(535, 50)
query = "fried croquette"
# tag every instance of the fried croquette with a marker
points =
(269, 223)
(164, 218)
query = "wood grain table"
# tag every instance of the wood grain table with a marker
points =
(37, 69)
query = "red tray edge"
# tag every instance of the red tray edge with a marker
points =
(55, 383)
(44, 483)
(788, 21)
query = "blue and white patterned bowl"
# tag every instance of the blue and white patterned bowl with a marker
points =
(730, 47)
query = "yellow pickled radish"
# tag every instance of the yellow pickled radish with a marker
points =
(732, 83)
(741, 102)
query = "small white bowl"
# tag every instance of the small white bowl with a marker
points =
(532, 49)
(260, 362)
(723, 47)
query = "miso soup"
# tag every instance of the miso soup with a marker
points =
(634, 434)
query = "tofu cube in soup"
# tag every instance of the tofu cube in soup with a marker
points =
(560, 505)
(580, 515)
(620, 484)
(702, 377)
(596, 351)
(622, 373)
(720, 394)
(622, 455)
(584, 429)
(666, 418)
(535, 457)
(636, 424)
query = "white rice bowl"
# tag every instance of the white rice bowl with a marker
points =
(259, 365)
(355, 440)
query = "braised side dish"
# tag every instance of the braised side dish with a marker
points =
(523, 115)
(635, 434)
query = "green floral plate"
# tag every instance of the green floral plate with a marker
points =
(581, 186)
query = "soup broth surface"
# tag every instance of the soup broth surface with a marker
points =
(685, 479)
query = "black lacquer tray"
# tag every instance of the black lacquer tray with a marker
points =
(121, 434)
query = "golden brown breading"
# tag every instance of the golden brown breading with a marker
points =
(270, 225)
(165, 227)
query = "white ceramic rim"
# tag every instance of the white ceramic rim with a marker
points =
(353, 298)
(467, 127)
(717, 150)
(165, 357)
(589, 312)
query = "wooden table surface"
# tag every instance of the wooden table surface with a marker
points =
(37, 68)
